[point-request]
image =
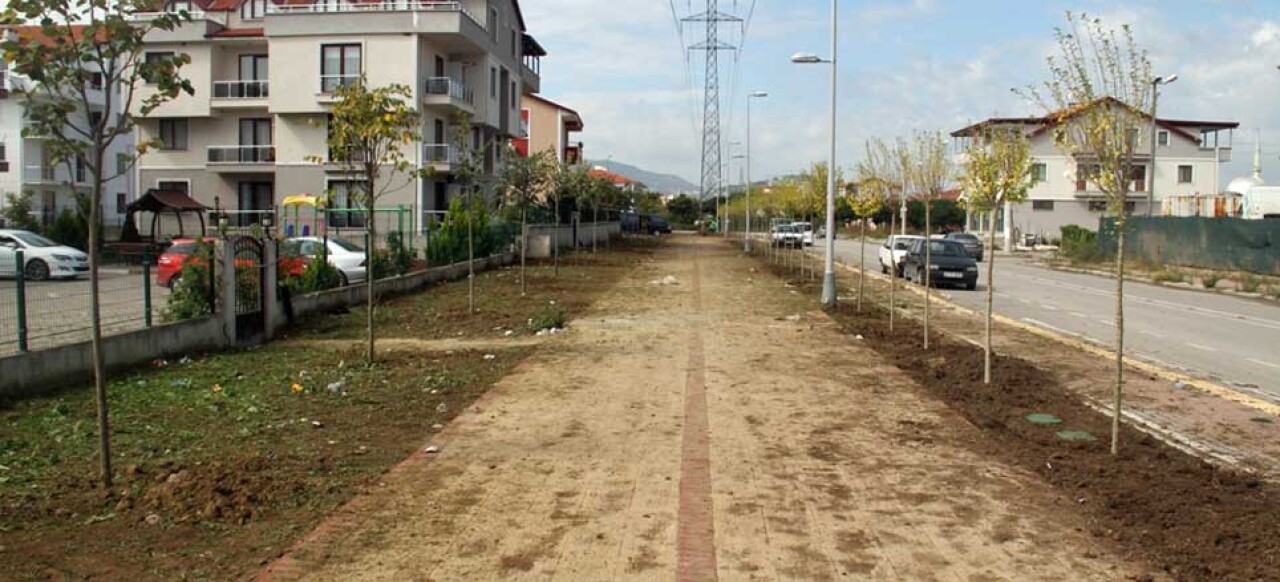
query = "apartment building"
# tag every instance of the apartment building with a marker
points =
(265, 73)
(1188, 160)
(547, 126)
(25, 165)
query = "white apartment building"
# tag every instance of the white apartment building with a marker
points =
(1188, 161)
(25, 167)
(264, 74)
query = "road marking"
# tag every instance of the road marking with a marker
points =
(1150, 333)
(1051, 327)
(695, 528)
(1027, 301)
(1202, 347)
(1049, 307)
(1080, 315)
(1262, 363)
(1106, 322)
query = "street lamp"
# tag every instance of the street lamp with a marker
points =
(829, 265)
(746, 240)
(1155, 98)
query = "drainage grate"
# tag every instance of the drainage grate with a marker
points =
(1076, 435)
(1043, 419)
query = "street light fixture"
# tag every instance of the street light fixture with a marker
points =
(1155, 98)
(829, 265)
(746, 240)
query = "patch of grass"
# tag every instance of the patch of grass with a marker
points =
(551, 317)
(1168, 275)
(1273, 291)
(1210, 281)
(1250, 283)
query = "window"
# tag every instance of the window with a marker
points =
(1135, 138)
(1097, 206)
(95, 117)
(122, 163)
(4, 161)
(155, 57)
(1042, 205)
(1039, 173)
(493, 24)
(1138, 174)
(1129, 207)
(179, 6)
(95, 81)
(173, 134)
(1085, 173)
(254, 200)
(253, 9)
(339, 66)
(515, 47)
(346, 196)
(173, 186)
(493, 82)
(1162, 138)
(80, 169)
(1185, 174)
(122, 203)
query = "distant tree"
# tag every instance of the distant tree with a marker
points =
(932, 171)
(526, 182)
(371, 134)
(997, 171)
(90, 39)
(19, 212)
(1099, 84)
(682, 209)
(869, 196)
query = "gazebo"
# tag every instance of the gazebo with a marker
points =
(160, 202)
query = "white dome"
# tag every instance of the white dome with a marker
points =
(1242, 186)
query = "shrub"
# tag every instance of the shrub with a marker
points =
(448, 244)
(193, 295)
(550, 317)
(1210, 281)
(401, 261)
(1273, 291)
(67, 229)
(1250, 283)
(1080, 244)
(18, 213)
(317, 276)
(1168, 275)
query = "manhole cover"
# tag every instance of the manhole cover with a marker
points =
(1043, 419)
(1075, 435)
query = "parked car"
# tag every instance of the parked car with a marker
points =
(806, 232)
(349, 259)
(182, 253)
(658, 225)
(42, 258)
(972, 244)
(894, 251)
(949, 264)
(786, 235)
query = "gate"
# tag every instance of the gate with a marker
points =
(250, 288)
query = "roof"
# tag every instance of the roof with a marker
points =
(618, 179)
(1175, 125)
(531, 46)
(35, 33)
(238, 33)
(576, 116)
(162, 200)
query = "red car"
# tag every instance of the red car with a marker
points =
(183, 252)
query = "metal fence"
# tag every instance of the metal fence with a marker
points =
(39, 314)
(1210, 243)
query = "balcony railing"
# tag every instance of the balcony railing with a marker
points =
(195, 15)
(51, 175)
(440, 153)
(250, 154)
(240, 89)
(331, 6)
(453, 89)
(330, 83)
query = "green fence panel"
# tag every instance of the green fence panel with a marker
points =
(1230, 244)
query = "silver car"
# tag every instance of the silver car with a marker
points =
(350, 260)
(42, 258)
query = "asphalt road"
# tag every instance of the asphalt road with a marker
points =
(1233, 340)
(58, 311)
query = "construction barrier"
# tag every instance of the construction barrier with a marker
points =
(1229, 244)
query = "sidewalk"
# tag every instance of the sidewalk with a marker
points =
(700, 431)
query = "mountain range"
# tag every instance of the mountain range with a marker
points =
(664, 183)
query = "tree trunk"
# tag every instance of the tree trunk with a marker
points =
(928, 270)
(370, 277)
(862, 265)
(471, 255)
(595, 226)
(524, 244)
(991, 267)
(555, 240)
(893, 269)
(1119, 387)
(95, 318)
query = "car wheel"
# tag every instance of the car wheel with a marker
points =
(36, 270)
(342, 279)
(920, 276)
(971, 286)
(883, 269)
(173, 282)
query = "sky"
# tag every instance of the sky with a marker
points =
(903, 66)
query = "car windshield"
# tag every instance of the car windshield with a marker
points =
(346, 246)
(945, 248)
(34, 240)
(964, 236)
(786, 229)
(182, 248)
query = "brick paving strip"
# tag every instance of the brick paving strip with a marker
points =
(715, 429)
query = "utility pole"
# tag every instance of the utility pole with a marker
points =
(712, 172)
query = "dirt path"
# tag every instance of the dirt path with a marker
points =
(701, 431)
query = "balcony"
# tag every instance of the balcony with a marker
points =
(243, 158)
(332, 6)
(234, 94)
(448, 92)
(440, 157)
(51, 175)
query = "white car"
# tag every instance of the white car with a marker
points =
(785, 235)
(806, 232)
(894, 252)
(42, 258)
(349, 259)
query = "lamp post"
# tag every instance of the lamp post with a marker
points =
(829, 267)
(746, 240)
(1151, 178)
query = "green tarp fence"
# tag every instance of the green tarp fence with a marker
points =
(1231, 244)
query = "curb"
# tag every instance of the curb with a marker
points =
(1133, 362)
(1149, 281)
